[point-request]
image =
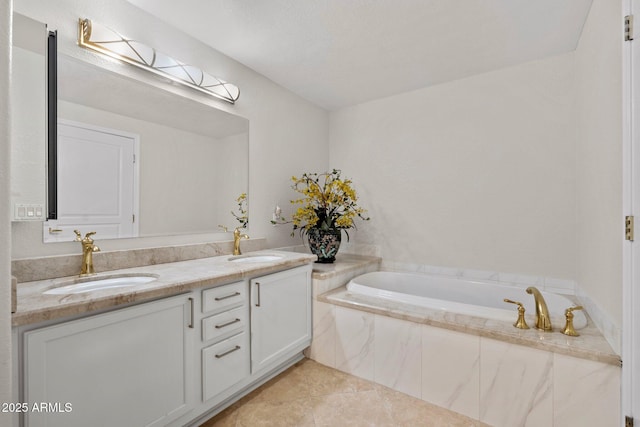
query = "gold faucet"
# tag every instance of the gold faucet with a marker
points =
(568, 328)
(88, 248)
(237, 235)
(543, 321)
(521, 323)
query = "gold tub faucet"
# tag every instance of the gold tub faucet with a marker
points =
(543, 320)
(237, 235)
(88, 248)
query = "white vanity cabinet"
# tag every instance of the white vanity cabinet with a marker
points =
(169, 362)
(280, 316)
(129, 367)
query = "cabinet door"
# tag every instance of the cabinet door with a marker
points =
(280, 316)
(130, 367)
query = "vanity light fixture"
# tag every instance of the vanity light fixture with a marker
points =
(108, 42)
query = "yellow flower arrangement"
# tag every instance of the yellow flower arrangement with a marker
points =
(329, 202)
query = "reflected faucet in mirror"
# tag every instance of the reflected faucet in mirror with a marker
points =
(88, 248)
(237, 236)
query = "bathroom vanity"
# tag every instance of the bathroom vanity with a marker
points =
(171, 352)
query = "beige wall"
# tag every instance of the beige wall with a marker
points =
(599, 223)
(478, 173)
(287, 134)
(5, 230)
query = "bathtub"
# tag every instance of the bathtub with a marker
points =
(461, 296)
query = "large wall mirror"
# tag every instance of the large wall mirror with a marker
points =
(136, 161)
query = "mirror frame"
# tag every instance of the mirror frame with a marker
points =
(52, 125)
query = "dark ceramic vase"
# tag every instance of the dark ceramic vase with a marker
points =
(324, 243)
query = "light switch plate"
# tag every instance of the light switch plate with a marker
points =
(28, 212)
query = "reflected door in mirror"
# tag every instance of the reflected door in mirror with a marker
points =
(97, 182)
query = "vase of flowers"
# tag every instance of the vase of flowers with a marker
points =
(329, 206)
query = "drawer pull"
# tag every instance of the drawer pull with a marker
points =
(258, 294)
(228, 323)
(191, 311)
(235, 294)
(236, 348)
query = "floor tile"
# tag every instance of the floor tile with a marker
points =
(310, 394)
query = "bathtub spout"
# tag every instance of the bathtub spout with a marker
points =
(543, 320)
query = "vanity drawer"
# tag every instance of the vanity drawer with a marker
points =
(224, 297)
(225, 364)
(224, 324)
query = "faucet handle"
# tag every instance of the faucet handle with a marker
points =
(223, 228)
(86, 237)
(568, 328)
(521, 323)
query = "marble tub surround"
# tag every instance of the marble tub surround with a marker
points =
(491, 380)
(327, 277)
(590, 345)
(30, 269)
(173, 278)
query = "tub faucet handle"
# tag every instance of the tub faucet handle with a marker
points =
(520, 323)
(568, 328)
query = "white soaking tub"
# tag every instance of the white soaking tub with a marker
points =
(461, 296)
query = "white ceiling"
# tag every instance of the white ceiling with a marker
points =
(337, 53)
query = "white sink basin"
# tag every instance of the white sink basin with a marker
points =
(88, 284)
(256, 258)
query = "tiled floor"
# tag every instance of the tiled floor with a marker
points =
(310, 394)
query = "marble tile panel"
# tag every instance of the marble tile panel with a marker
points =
(478, 275)
(516, 385)
(520, 280)
(355, 342)
(564, 286)
(451, 370)
(323, 346)
(397, 355)
(585, 393)
(361, 249)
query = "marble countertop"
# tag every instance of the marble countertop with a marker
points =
(590, 345)
(173, 278)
